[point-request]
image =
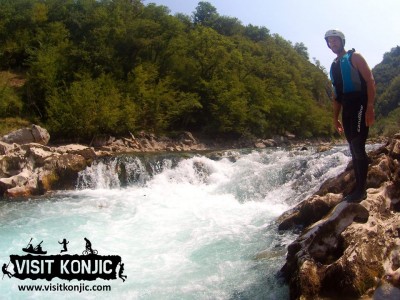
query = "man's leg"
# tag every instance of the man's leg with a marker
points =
(356, 134)
(360, 161)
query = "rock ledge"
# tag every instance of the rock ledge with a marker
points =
(348, 251)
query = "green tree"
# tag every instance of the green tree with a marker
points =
(387, 76)
(11, 104)
(160, 105)
(205, 14)
(47, 64)
(160, 72)
(90, 107)
(302, 50)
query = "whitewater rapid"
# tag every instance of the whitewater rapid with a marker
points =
(186, 226)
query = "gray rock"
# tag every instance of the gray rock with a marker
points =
(33, 134)
(5, 148)
(346, 247)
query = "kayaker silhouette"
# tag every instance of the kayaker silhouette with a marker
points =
(37, 250)
(121, 270)
(64, 243)
(5, 272)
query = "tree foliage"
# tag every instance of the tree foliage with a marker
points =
(114, 66)
(387, 77)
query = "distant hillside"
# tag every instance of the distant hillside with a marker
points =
(387, 77)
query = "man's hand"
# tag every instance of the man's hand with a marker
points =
(369, 116)
(338, 126)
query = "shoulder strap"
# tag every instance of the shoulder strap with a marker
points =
(349, 54)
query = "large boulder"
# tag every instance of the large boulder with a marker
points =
(33, 134)
(33, 169)
(21, 185)
(61, 172)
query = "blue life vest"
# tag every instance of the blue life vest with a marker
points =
(346, 79)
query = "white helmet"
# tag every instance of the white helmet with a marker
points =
(335, 32)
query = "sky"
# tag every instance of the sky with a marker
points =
(372, 27)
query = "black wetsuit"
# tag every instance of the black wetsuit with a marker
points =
(351, 92)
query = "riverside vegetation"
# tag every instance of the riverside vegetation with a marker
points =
(84, 68)
(112, 67)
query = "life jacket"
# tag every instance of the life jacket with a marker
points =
(346, 79)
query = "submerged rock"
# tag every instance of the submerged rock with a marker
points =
(345, 248)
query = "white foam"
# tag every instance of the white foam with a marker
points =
(188, 231)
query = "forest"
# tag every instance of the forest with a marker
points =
(387, 108)
(87, 67)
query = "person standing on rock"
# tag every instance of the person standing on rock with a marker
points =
(354, 96)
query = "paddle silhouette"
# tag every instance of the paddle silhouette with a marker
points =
(64, 243)
(34, 250)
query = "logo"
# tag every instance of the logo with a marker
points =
(86, 266)
(359, 118)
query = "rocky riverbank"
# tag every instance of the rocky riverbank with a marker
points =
(343, 251)
(29, 165)
(348, 251)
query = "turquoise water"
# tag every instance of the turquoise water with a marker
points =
(186, 227)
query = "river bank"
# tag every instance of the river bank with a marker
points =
(348, 250)
(30, 164)
(342, 249)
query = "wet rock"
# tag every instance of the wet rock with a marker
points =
(308, 212)
(61, 172)
(270, 143)
(21, 191)
(20, 185)
(259, 145)
(324, 148)
(346, 247)
(33, 169)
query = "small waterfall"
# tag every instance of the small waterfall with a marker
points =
(123, 171)
(280, 174)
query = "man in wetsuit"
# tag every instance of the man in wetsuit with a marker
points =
(354, 96)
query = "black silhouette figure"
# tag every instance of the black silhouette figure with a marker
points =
(121, 270)
(5, 272)
(88, 247)
(64, 243)
(37, 250)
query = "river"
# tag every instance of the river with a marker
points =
(186, 226)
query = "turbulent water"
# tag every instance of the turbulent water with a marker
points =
(186, 226)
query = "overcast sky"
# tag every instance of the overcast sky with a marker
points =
(372, 27)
